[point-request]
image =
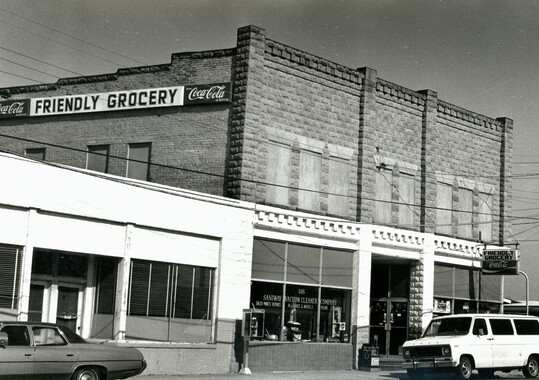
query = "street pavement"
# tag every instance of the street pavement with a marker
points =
(320, 375)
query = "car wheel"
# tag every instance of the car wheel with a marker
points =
(85, 374)
(465, 368)
(531, 369)
(414, 374)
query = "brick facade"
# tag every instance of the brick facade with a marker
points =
(304, 103)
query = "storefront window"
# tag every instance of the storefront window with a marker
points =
(461, 290)
(309, 298)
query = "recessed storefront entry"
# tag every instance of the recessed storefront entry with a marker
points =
(389, 307)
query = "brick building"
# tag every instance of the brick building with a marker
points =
(372, 199)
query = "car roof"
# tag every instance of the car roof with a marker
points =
(485, 315)
(27, 323)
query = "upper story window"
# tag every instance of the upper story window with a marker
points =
(138, 165)
(35, 153)
(278, 174)
(310, 172)
(98, 158)
(464, 208)
(383, 191)
(339, 185)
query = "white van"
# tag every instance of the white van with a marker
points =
(485, 342)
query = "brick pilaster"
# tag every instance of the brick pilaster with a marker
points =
(428, 176)
(247, 79)
(366, 166)
(506, 186)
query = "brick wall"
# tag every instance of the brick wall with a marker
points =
(193, 138)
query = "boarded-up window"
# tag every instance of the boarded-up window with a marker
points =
(338, 187)
(407, 200)
(465, 214)
(485, 216)
(382, 205)
(35, 153)
(98, 158)
(138, 165)
(278, 174)
(444, 201)
(309, 180)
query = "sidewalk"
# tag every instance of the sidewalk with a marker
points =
(290, 375)
(321, 375)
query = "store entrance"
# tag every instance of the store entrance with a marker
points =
(57, 303)
(390, 289)
(389, 323)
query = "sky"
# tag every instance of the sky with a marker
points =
(482, 55)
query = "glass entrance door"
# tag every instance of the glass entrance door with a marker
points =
(389, 321)
(56, 303)
(67, 311)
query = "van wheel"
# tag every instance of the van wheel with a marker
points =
(531, 369)
(465, 368)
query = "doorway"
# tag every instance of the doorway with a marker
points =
(389, 325)
(59, 303)
(389, 307)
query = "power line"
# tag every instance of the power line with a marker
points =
(73, 37)
(60, 43)
(38, 60)
(172, 167)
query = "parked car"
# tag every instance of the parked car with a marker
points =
(31, 350)
(483, 342)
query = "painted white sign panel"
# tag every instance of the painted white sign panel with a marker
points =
(108, 101)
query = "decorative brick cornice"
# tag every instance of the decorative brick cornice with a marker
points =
(205, 54)
(388, 236)
(311, 61)
(306, 224)
(452, 110)
(457, 248)
(391, 90)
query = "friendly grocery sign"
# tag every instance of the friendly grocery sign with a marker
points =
(500, 261)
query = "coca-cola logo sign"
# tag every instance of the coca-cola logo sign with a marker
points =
(14, 108)
(207, 93)
(500, 261)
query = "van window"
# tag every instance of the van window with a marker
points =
(501, 327)
(449, 326)
(480, 325)
(527, 326)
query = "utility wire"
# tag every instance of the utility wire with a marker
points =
(40, 61)
(73, 37)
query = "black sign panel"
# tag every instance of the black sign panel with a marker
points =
(207, 93)
(14, 108)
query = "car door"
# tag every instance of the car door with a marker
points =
(505, 351)
(54, 356)
(17, 356)
(480, 344)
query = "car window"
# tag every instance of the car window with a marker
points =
(17, 335)
(47, 336)
(480, 325)
(527, 326)
(501, 326)
(449, 326)
(71, 336)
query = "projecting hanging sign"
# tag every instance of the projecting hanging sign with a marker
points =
(500, 261)
(108, 101)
